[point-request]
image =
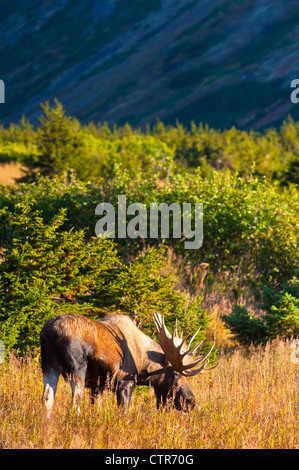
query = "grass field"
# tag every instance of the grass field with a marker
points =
(249, 401)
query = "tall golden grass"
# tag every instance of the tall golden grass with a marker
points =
(249, 401)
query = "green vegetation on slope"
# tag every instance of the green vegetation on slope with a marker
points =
(50, 261)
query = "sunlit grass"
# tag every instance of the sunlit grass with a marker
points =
(249, 401)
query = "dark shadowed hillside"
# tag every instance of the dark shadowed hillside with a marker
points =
(222, 62)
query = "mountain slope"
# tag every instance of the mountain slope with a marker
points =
(222, 62)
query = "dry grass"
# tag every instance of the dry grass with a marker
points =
(10, 172)
(217, 305)
(249, 401)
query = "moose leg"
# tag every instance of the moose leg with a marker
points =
(50, 380)
(161, 400)
(124, 392)
(161, 397)
(77, 385)
(93, 395)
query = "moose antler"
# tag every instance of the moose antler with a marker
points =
(176, 350)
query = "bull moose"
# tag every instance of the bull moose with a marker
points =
(113, 350)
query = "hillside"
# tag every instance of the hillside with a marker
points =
(223, 62)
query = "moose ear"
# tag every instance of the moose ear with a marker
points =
(158, 357)
(165, 360)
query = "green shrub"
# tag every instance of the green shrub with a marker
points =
(43, 272)
(279, 317)
(60, 142)
(250, 225)
(46, 271)
(61, 145)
